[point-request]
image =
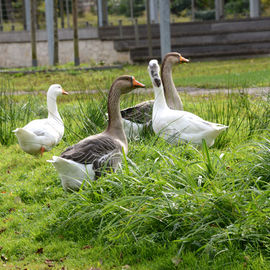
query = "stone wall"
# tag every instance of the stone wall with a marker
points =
(15, 50)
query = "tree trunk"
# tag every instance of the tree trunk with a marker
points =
(1, 13)
(55, 33)
(149, 30)
(75, 33)
(33, 33)
(62, 13)
(193, 10)
(67, 11)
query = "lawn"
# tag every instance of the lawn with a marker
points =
(168, 207)
(217, 74)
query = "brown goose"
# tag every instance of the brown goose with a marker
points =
(87, 158)
(140, 116)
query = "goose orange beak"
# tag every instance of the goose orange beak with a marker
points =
(137, 84)
(64, 92)
(183, 59)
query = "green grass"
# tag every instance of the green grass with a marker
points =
(168, 207)
(235, 74)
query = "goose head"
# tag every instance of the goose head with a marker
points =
(126, 84)
(174, 58)
(121, 85)
(56, 90)
(153, 70)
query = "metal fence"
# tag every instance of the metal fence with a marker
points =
(14, 14)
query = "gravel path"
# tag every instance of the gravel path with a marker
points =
(263, 91)
(202, 91)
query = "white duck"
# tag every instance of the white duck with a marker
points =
(87, 158)
(177, 126)
(138, 117)
(43, 134)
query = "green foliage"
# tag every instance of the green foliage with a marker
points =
(204, 206)
(237, 7)
(122, 7)
(205, 15)
(205, 4)
(13, 115)
(261, 169)
(178, 6)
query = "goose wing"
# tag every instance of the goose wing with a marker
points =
(185, 123)
(38, 127)
(45, 131)
(141, 113)
(189, 127)
(102, 152)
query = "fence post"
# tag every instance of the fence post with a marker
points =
(153, 11)
(67, 11)
(165, 31)
(219, 7)
(55, 33)
(105, 12)
(254, 8)
(75, 33)
(49, 27)
(62, 13)
(27, 14)
(149, 30)
(1, 14)
(33, 33)
(120, 28)
(193, 10)
(136, 31)
(131, 9)
(99, 10)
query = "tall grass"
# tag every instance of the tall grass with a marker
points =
(86, 115)
(199, 200)
(207, 201)
(245, 115)
(261, 168)
(15, 112)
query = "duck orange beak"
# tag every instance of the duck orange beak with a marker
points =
(183, 59)
(64, 92)
(137, 84)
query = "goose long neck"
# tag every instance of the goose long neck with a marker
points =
(160, 102)
(172, 97)
(52, 108)
(115, 126)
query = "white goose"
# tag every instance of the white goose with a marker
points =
(136, 118)
(87, 158)
(43, 134)
(177, 126)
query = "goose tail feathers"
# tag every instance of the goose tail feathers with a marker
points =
(72, 174)
(59, 162)
(21, 132)
(221, 127)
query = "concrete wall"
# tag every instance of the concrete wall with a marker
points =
(15, 49)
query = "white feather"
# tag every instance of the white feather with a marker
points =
(177, 126)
